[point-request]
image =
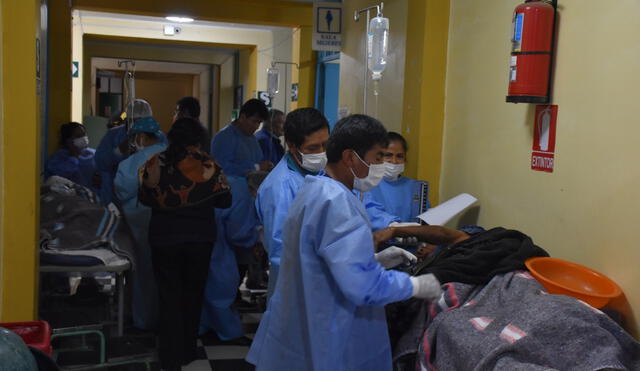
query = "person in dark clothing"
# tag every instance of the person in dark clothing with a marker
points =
(183, 186)
(187, 107)
(269, 137)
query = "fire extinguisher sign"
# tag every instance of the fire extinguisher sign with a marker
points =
(544, 138)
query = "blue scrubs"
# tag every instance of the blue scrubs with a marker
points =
(327, 312)
(144, 300)
(401, 197)
(79, 169)
(272, 150)
(235, 152)
(236, 228)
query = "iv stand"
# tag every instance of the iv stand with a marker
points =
(286, 64)
(356, 17)
(130, 84)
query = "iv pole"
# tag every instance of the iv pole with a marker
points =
(356, 17)
(130, 85)
(286, 64)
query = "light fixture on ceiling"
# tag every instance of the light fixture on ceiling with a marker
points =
(179, 19)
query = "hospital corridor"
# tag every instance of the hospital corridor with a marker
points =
(319, 185)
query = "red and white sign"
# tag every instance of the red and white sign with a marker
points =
(544, 138)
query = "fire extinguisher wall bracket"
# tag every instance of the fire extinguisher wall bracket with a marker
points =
(532, 52)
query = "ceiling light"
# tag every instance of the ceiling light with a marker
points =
(179, 19)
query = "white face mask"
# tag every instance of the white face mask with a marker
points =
(82, 142)
(376, 172)
(314, 162)
(392, 171)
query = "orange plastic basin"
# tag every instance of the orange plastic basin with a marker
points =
(566, 278)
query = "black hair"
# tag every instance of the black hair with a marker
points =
(188, 107)
(301, 123)
(273, 113)
(185, 132)
(395, 137)
(254, 107)
(357, 132)
(66, 131)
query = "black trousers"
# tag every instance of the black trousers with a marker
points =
(181, 274)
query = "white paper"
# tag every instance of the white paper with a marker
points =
(444, 212)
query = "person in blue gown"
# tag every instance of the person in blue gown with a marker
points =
(269, 136)
(306, 132)
(235, 147)
(147, 141)
(327, 311)
(397, 194)
(115, 147)
(237, 228)
(75, 159)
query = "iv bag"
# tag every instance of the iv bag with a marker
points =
(273, 79)
(377, 46)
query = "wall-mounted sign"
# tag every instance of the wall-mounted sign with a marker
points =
(75, 69)
(265, 97)
(327, 26)
(544, 138)
(294, 92)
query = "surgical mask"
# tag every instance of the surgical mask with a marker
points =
(392, 171)
(376, 172)
(81, 143)
(313, 162)
(137, 146)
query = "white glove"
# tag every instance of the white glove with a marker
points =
(393, 255)
(426, 287)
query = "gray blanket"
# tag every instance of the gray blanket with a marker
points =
(511, 323)
(71, 219)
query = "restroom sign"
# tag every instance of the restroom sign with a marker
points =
(544, 138)
(327, 26)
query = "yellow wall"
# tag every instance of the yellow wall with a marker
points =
(60, 63)
(424, 90)
(391, 91)
(265, 12)
(19, 153)
(586, 211)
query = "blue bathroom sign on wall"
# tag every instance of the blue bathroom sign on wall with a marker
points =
(327, 26)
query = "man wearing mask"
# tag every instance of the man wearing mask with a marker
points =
(306, 132)
(269, 137)
(75, 159)
(331, 285)
(147, 142)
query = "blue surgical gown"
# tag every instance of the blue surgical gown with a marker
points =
(79, 169)
(380, 218)
(236, 228)
(108, 157)
(144, 300)
(235, 152)
(327, 310)
(401, 197)
(275, 195)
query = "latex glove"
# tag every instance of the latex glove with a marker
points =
(426, 287)
(405, 224)
(393, 255)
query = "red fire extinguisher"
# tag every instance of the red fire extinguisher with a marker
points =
(531, 52)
